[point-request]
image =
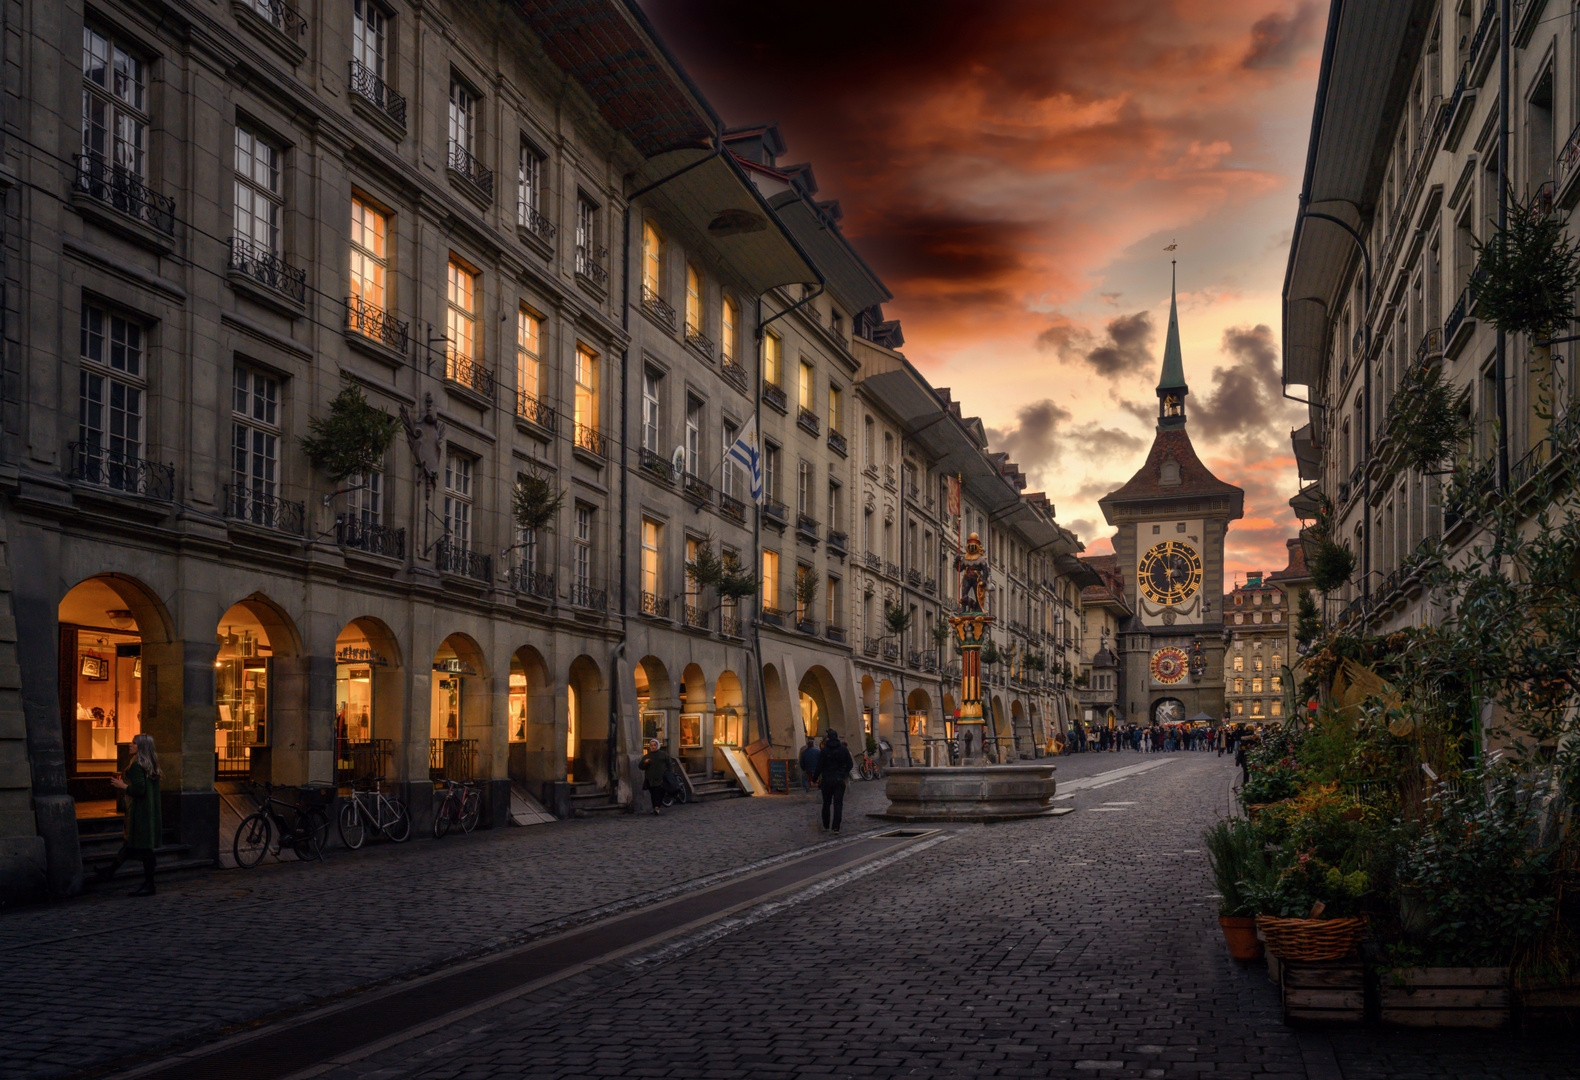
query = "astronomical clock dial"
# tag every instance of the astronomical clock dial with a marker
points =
(1169, 665)
(1170, 573)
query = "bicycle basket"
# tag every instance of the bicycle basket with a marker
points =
(315, 796)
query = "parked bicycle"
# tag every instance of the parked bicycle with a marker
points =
(461, 806)
(368, 808)
(867, 766)
(306, 830)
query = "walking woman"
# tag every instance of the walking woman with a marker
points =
(144, 822)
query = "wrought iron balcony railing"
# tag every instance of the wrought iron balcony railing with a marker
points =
(360, 535)
(871, 645)
(267, 268)
(891, 570)
(776, 512)
(807, 421)
(124, 190)
(376, 92)
(697, 489)
(264, 509)
(655, 465)
(807, 626)
(462, 162)
(586, 595)
(121, 472)
(591, 440)
(656, 306)
(806, 525)
(872, 561)
(732, 508)
(774, 394)
(772, 616)
(696, 616)
(729, 625)
(534, 411)
(913, 576)
(450, 557)
(914, 658)
(837, 540)
(534, 222)
(376, 323)
(929, 585)
(834, 633)
(836, 443)
(535, 583)
(589, 264)
(699, 341)
(732, 371)
(891, 650)
(281, 16)
(655, 605)
(468, 372)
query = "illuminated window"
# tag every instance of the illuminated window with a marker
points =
(693, 299)
(652, 579)
(461, 326)
(836, 400)
(369, 267)
(773, 349)
(805, 387)
(770, 585)
(729, 327)
(652, 261)
(586, 388)
(529, 370)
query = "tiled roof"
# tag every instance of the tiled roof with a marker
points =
(1296, 570)
(1195, 479)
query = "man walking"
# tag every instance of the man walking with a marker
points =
(833, 770)
(809, 756)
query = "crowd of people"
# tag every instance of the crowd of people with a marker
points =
(1156, 739)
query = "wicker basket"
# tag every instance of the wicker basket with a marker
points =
(1311, 940)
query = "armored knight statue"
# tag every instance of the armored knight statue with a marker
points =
(973, 570)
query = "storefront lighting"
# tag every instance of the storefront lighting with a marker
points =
(121, 619)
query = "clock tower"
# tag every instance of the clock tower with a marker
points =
(1171, 518)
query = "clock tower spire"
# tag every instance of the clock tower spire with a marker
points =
(1171, 519)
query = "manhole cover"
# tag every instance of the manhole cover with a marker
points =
(903, 833)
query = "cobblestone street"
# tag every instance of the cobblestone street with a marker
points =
(1084, 945)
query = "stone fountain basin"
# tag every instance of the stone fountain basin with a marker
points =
(971, 793)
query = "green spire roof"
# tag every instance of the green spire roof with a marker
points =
(1173, 362)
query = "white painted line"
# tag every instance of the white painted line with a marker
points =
(1107, 810)
(1130, 803)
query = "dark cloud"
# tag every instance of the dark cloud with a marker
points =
(948, 247)
(1043, 437)
(1145, 411)
(1246, 397)
(1276, 37)
(1128, 347)
(1033, 443)
(1065, 337)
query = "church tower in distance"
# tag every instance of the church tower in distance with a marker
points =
(1171, 518)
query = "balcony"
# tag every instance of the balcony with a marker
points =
(264, 509)
(929, 663)
(538, 585)
(836, 443)
(772, 616)
(807, 626)
(591, 440)
(655, 606)
(528, 218)
(699, 342)
(1567, 169)
(533, 411)
(776, 513)
(656, 465)
(114, 471)
(452, 759)
(891, 650)
(589, 597)
(806, 528)
(695, 488)
(834, 633)
(360, 535)
(696, 616)
(124, 191)
(376, 92)
(871, 646)
(807, 420)
(465, 166)
(914, 659)
(1462, 314)
(732, 508)
(458, 560)
(774, 395)
(590, 268)
(1541, 200)
(267, 269)
(733, 372)
(912, 492)
(376, 324)
(467, 372)
(837, 541)
(888, 477)
(891, 570)
(930, 586)
(913, 576)
(1430, 348)
(730, 625)
(661, 310)
(279, 15)
(872, 562)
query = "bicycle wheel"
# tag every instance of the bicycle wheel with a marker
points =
(471, 810)
(252, 840)
(399, 830)
(352, 829)
(311, 836)
(447, 812)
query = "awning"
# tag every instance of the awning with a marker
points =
(849, 277)
(719, 199)
(1307, 501)
(1308, 456)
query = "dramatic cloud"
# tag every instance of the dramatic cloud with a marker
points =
(1276, 37)
(1033, 442)
(1045, 444)
(1128, 348)
(1247, 395)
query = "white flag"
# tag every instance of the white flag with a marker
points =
(746, 451)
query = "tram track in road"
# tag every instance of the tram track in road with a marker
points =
(319, 1038)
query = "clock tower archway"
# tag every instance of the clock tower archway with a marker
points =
(1170, 521)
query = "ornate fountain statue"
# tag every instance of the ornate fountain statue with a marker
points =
(970, 623)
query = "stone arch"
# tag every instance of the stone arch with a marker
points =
(1019, 728)
(529, 719)
(370, 702)
(1166, 710)
(261, 728)
(731, 718)
(116, 637)
(778, 698)
(822, 707)
(461, 716)
(655, 700)
(587, 723)
(918, 722)
(891, 725)
(695, 715)
(998, 728)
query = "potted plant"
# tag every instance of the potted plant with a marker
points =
(1234, 852)
(352, 439)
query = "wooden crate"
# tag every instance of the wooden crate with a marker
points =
(1445, 997)
(1333, 992)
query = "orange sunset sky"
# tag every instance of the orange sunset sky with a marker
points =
(1013, 170)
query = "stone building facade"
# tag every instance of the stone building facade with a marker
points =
(1256, 620)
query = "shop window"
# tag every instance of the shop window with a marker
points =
(242, 672)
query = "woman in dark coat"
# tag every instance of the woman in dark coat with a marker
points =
(655, 763)
(144, 821)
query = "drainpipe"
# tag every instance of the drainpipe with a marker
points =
(1500, 360)
(625, 429)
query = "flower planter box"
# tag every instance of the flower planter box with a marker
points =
(1549, 1002)
(1444, 997)
(1328, 993)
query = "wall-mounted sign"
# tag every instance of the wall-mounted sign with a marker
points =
(454, 666)
(349, 655)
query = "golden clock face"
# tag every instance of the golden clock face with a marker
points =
(1168, 665)
(1170, 573)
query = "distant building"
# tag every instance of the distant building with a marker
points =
(1256, 621)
